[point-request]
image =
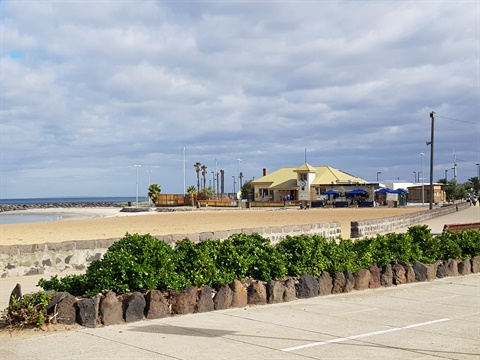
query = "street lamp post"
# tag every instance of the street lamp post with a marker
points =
(478, 171)
(213, 181)
(423, 190)
(239, 180)
(446, 179)
(233, 176)
(378, 173)
(137, 166)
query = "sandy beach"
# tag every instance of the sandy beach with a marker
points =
(107, 223)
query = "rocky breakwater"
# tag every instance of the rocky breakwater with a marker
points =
(16, 207)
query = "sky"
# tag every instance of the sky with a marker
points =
(89, 89)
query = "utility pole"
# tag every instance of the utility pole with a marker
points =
(432, 116)
(454, 165)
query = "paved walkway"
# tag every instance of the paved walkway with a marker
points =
(436, 320)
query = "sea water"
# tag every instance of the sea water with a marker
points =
(19, 217)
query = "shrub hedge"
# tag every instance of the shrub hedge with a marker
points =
(142, 262)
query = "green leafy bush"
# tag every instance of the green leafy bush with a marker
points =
(304, 254)
(29, 311)
(136, 262)
(141, 262)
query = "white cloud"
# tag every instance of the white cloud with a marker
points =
(89, 89)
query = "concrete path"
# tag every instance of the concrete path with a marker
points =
(436, 320)
(469, 215)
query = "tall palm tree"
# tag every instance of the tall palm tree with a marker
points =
(475, 184)
(197, 169)
(192, 192)
(153, 191)
(204, 173)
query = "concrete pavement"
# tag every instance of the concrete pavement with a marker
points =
(436, 320)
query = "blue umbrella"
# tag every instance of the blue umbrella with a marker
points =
(331, 192)
(386, 191)
(356, 192)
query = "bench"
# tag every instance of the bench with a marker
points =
(461, 227)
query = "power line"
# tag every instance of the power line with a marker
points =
(463, 121)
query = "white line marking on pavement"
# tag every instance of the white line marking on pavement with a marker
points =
(359, 336)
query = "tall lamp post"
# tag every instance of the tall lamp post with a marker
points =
(378, 173)
(137, 166)
(233, 176)
(478, 171)
(423, 190)
(239, 161)
(446, 179)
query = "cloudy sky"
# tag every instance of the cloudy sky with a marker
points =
(90, 88)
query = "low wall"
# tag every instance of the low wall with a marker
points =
(375, 226)
(20, 260)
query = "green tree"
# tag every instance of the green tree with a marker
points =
(204, 173)
(192, 191)
(247, 190)
(206, 193)
(473, 183)
(454, 191)
(197, 170)
(153, 191)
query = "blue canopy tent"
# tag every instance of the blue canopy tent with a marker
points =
(331, 192)
(386, 191)
(401, 191)
(356, 192)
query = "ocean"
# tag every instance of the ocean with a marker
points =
(18, 218)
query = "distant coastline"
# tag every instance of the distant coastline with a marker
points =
(71, 200)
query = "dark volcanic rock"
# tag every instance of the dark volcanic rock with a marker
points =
(362, 279)
(307, 286)
(349, 281)
(275, 292)
(223, 298)
(475, 261)
(16, 293)
(386, 276)
(338, 283)
(290, 292)
(257, 293)
(452, 267)
(87, 312)
(325, 283)
(134, 307)
(399, 274)
(464, 267)
(184, 302)
(156, 306)
(205, 300)
(441, 269)
(374, 277)
(420, 271)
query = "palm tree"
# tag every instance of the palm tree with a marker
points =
(475, 184)
(153, 191)
(192, 192)
(197, 169)
(204, 173)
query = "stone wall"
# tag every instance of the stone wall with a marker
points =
(109, 308)
(375, 226)
(19, 260)
(16, 207)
